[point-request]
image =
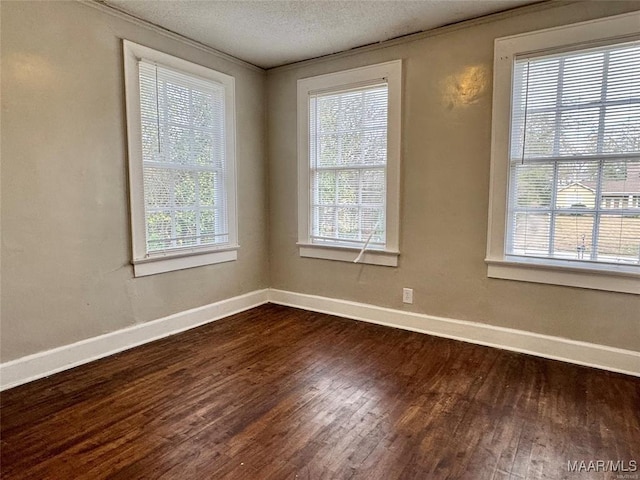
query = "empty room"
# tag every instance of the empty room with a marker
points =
(320, 239)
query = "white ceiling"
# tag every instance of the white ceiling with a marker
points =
(270, 33)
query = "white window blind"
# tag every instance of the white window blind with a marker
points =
(348, 157)
(575, 156)
(183, 156)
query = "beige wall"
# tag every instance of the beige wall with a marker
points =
(65, 254)
(445, 190)
(66, 272)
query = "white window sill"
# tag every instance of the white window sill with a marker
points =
(612, 278)
(385, 258)
(182, 260)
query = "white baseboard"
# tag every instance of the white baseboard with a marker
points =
(43, 364)
(556, 348)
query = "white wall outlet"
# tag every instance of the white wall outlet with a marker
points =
(407, 295)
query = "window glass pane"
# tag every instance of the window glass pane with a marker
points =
(329, 150)
(183, 159)
(185, 188)
(207, 188)
(373, 221)
(175, 102)
(622, 128)
(624, 74)
(159, 230)
(375, 147)
(375, 108)
(562, 107)
(542, 81)
(619, 238)
(347, 187)
(177, 142)
(348, 225)
(202, 149)
(572, 236)
(575, 156)
(579, 131)
(352, 111)
(582, 78)
(530, 234)
(373, 182)
(577, 184)
(325, 222)
(203, 109)
(620, 184)
(158, 187)
(150, 139)
(348, 132)
(328, 114)
(186, 228)
(326, 187)
(533, 184)
(351, 144)
(207, 222)
(541, 136)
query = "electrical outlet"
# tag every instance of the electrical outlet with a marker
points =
(407, 295)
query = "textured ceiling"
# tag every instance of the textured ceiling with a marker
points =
(270, 33)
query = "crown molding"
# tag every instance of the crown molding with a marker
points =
(115, 12)
(433, 32)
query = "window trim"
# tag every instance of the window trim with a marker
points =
(188, 257)
(392, 71)
(597, 32)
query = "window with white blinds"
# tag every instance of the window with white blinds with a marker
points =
(564, 203)
(181, 133)
(348, 155)
(349, 164)
(575, 156)
(182, 119)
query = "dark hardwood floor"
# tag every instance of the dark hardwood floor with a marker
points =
(280, 393)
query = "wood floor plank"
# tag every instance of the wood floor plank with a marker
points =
(280, 393)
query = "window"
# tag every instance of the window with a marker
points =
(349, 164)
(566, 156)
(181, 132)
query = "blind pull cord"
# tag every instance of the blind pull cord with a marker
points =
(526, 112)
(366, 243)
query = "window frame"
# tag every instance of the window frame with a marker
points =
(609, 277)
(146, 263)
(392, 72)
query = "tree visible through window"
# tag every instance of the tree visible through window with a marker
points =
(182, 120)
(181, 135)
(349, 164)
(348, 154)
(575, 156)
